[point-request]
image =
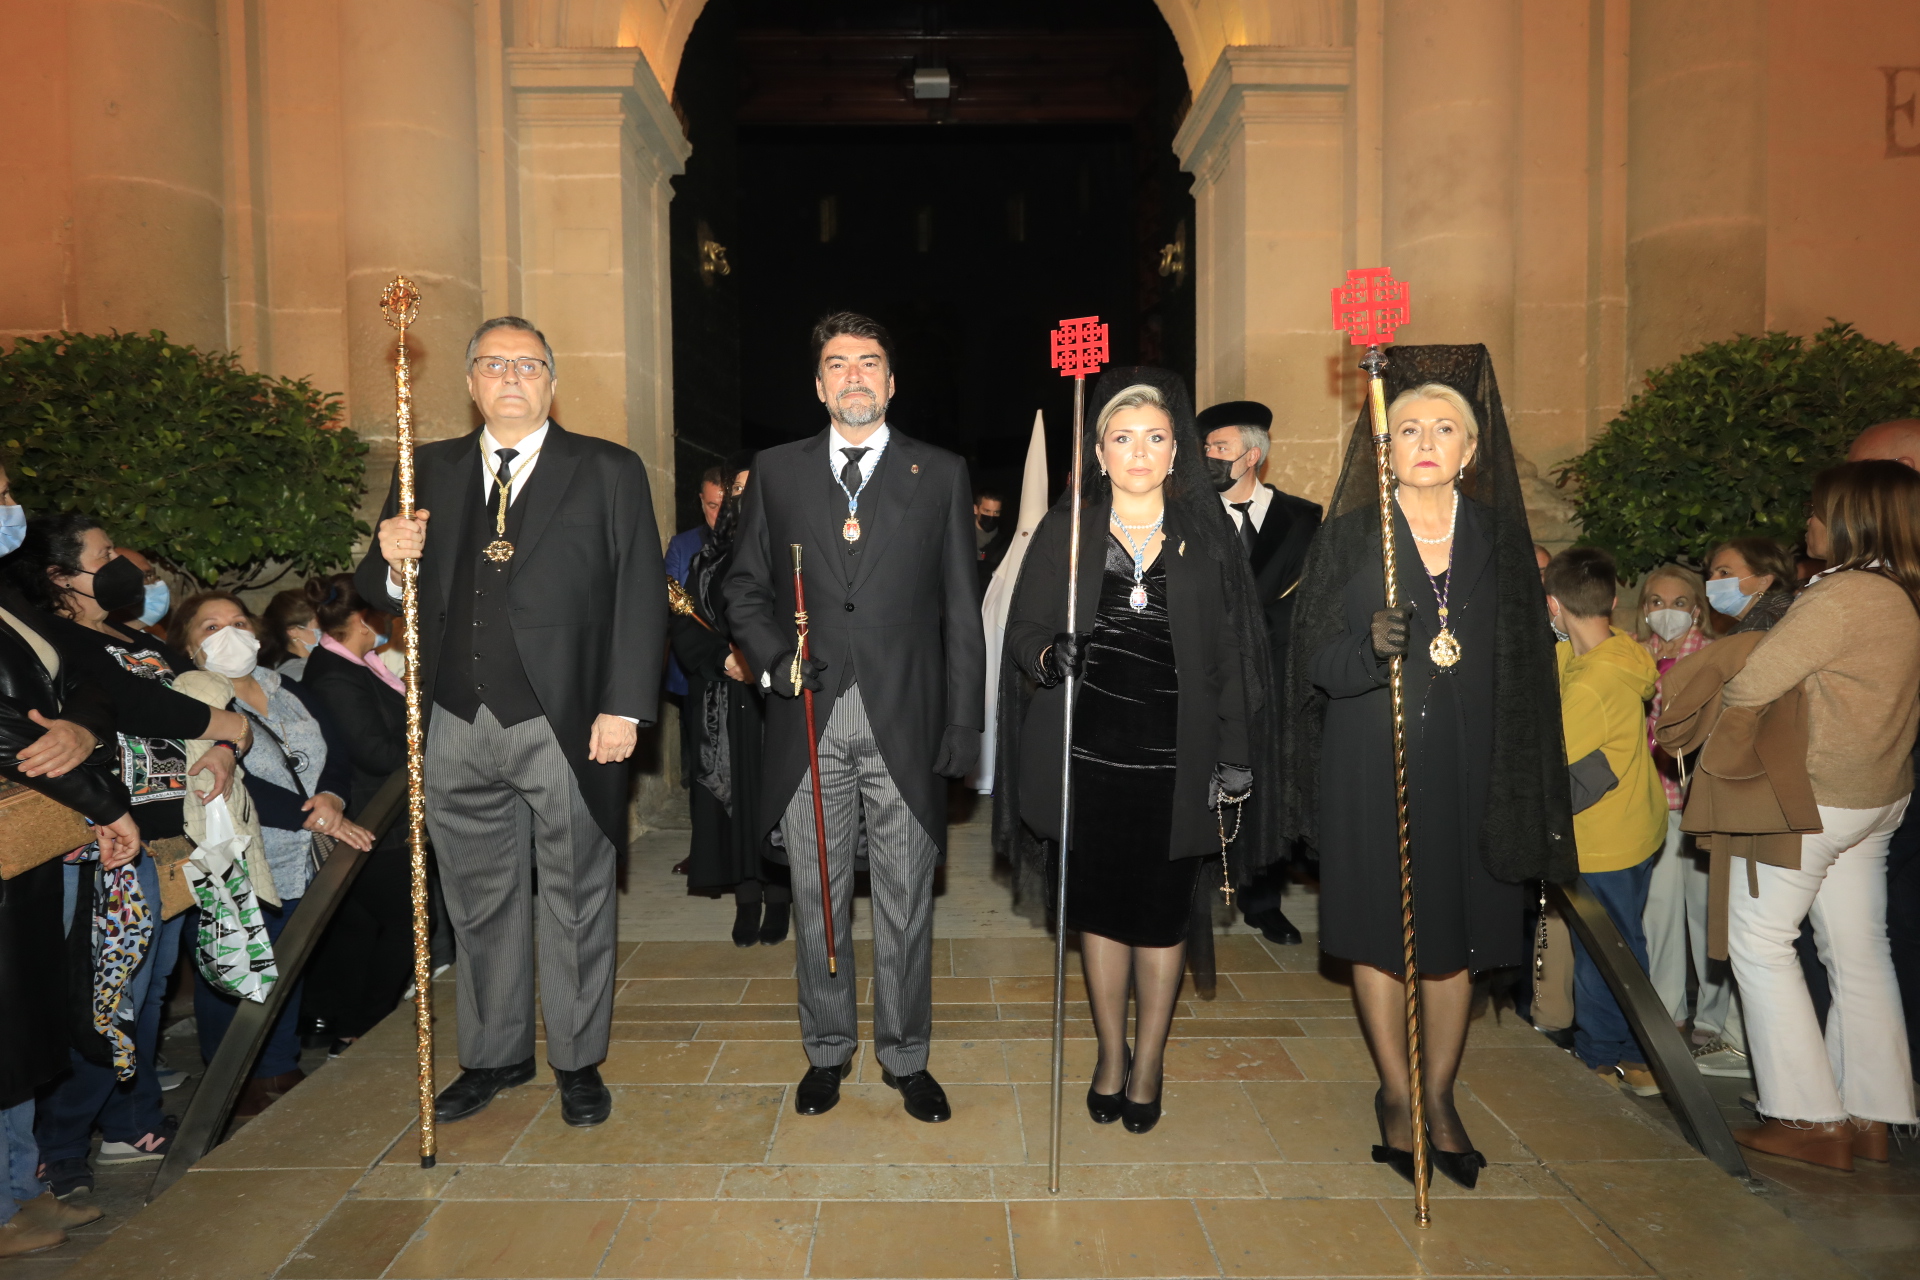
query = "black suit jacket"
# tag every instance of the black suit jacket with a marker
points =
(587, 590)
(1279, 557)
(908, 623)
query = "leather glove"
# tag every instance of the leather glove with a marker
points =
(780, 676)
(959, 752)
(1230, 782)
(1066, 655)
(1390, 629)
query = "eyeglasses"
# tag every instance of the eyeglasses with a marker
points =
(528, 368)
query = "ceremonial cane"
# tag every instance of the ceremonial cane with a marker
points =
(1079, 348)
(400, 301)
(813, 757)
(1369, 308)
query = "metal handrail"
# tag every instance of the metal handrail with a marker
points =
(232, 1064)
(1681, 1084)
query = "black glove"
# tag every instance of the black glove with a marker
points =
(1390, 628)
(1065, 656)
(959, 752)
(1230, 782)
(780, 676)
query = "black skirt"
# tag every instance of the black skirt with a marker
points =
(1120, 882)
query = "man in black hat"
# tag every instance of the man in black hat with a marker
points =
(1275, 529)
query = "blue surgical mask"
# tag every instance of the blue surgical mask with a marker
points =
(379, 639)
(13, 528)
(1725, 595)
(158, 600)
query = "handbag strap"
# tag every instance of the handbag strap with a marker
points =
(279, 744)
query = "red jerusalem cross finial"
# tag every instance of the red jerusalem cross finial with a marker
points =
(1080, 347)
(1370, 306)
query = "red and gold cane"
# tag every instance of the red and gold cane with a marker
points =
(813, 756)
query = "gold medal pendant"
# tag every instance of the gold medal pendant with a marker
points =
(1445, 650)
(851, 529)
(499, 551)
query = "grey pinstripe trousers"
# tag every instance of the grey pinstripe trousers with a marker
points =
(501, 802)
(855, 785)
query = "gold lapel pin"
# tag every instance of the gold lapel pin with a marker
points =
(915, 468)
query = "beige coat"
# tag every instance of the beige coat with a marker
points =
(217, 691)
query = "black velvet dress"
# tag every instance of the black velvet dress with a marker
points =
(1120, 882)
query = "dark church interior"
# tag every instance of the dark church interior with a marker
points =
(967, 174)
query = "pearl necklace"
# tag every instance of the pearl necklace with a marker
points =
(1452, 520)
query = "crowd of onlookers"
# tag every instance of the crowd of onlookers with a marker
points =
(1740, 773)
(220, 757)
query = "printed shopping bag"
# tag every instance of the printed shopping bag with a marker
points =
(232, 949)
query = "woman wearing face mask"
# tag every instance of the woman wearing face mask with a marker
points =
(1750, 583)
(13, 518)
(1486, 779)
(68, 568)
(365, 956)
(1173, 705)
(298, 775)
(290, 634)
(1673, 605)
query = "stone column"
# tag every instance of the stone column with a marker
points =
(1697, 177)
(144, 102)
(598, 144)
(1450, 144)
(411, 206)
(1265, 143)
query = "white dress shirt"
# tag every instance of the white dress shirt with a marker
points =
(525, 459)
(1262, 499)
(875, 445)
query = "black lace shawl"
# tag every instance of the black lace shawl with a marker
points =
(1527, 833)
(1203, 521)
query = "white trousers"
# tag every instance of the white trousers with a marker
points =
(1841, 886)
(1676, 925)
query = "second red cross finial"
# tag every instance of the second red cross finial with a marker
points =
(1370, 306)
(1080, 347)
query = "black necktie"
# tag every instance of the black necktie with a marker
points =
(850, 474)
(503, 478)
(1246, 524)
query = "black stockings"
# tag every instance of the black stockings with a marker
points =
(1445, 1002)
(1153, 974)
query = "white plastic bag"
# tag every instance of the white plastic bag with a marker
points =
(232, 949)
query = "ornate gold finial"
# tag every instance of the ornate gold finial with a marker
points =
(400, 303)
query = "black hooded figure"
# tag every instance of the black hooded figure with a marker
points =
(1486, 770)
(1173, 702)
(727, 720)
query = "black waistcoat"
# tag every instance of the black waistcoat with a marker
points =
(480, 662)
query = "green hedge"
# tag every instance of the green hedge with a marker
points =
(1725, 441)
(226, 475)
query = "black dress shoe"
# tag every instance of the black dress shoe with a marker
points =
(1462, 1166)
(819, 1089)
(1275, 927)
(1401, 1162)
(1139, 1117)
(474, 1088)
(773, 925)
(1105, 1108)
(584, 1100)
(924, 1097)
(746, 924)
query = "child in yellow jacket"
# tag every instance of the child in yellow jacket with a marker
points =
(1620, 807)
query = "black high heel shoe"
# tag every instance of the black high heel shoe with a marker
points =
(1463, 1167)
(1105, 1108)
(746, 923)
(1401, 1162)
(1139, 1117)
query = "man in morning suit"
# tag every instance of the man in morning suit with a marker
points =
(543, 614)
(897, 664)
(1275, 528)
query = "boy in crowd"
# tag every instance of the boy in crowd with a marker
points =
(1619, 806)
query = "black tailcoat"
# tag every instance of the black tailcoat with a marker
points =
(901, 619)
(1279, 557)
(587, 591)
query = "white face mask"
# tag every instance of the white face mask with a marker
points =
(231, 652)
(1670, 624)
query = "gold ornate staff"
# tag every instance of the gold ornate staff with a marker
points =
(400, 302)
(1369, 308)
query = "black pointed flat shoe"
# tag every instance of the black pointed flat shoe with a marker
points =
(1401, 1162)
(746, 924)
(1105, 1108)
(1139, 1117)
(1462, 1167)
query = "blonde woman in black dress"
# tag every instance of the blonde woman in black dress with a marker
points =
(1161, 719)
